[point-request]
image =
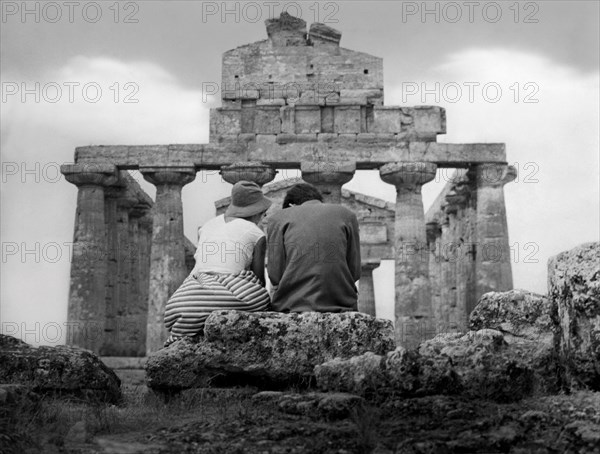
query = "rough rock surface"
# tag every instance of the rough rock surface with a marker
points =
(528, 322)
(574, 286)
(479, 364)
(266, 349)
(57, 370)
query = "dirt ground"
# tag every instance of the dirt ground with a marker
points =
(240, 421)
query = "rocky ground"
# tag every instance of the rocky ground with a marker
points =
(244, 421)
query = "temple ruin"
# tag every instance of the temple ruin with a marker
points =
(296, 100)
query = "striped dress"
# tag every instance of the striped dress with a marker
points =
(200, 294)
(221, 279)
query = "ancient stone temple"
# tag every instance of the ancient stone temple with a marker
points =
(296, 100)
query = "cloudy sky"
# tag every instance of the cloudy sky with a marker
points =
(92, 73)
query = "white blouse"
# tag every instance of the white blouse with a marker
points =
(226, 247)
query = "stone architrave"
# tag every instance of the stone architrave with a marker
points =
(328, 177)
(257, 172)
(167, 267)
(492, 245)
(366, 294)
(413, 297)
(87, 294)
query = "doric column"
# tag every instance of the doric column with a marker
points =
(448, 274)
(493, 268)
(167, 267)
(413, 298)
(87, 305)
(434, 232)
(328, 177)
(366, 297)
(256, 172)
(457, 253)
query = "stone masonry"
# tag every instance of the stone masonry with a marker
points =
(296, 100)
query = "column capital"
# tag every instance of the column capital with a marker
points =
(408, 174)
(254, 171)
(100, 174)
(180, 175)
(492, 174)
(327, 172)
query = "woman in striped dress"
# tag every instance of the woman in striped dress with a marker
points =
(230, 266)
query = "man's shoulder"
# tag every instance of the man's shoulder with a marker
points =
(339, 210)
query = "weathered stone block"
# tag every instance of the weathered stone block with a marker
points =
(574, 286)
(290, 138)
(248, 115)
(321, 34)
(57, 370)
(246, 137)
(266, 138)
(346, 119)
(373, 233)
(359, 96)
(267, 120)
(270, 102)
(267, 349)
(327, 137)
(429, 121)
(288, 119)
(225, 121)
(517, 313)
(347, 137)
(365, 137)
(528, 322)
(386, 120)
(308, 119)
(327, 119)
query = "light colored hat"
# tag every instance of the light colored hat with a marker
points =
(247, 200)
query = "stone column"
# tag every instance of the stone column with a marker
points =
(366, 297)
(493, 268)
(143, 288)
(167, 267)
(413, 297)
(257, 172)
(87, 305)
(448, 275)
(457, 253)
(328, 177)
(434, 232)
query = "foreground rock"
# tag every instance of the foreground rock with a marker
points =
(266, 349)
(574, 285)
(508, 354)
(58, 370)
(528, 323)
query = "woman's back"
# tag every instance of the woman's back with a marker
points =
(226, 247)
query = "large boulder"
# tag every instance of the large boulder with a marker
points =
(57, 370)
(479, 364)
(265, 349)
(528, 322)
(574, 286)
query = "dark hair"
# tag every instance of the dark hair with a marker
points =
(300, 193)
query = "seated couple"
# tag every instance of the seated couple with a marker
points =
(313, 260)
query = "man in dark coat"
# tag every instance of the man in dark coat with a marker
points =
(313, 254)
